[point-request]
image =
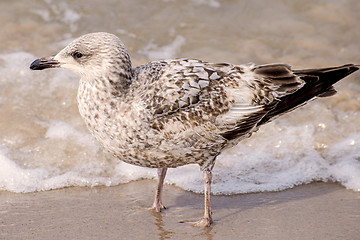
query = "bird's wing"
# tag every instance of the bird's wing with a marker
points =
(231, 98)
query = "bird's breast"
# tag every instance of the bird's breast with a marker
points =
(125, 128)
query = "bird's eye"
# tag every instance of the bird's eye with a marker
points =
(77, 54)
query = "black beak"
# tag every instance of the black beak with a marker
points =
(45, 62)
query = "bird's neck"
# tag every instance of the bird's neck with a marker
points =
(112, 81)
(105, 88)
(118, 75)
(98, 99)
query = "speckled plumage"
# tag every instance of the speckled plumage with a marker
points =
(175, 112)
(169, 113)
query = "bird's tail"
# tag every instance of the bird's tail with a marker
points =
(318, 83)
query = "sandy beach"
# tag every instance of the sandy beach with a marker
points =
(312, 211)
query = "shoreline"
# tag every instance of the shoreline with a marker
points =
(313, 211)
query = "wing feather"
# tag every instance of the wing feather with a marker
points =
(233, 99)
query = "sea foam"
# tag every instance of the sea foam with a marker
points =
(153, 51)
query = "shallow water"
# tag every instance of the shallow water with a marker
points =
(44, 144)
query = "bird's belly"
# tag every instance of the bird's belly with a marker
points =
(154, 151)
(146, 147)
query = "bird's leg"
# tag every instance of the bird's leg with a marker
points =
(206, 220)
(158, 205)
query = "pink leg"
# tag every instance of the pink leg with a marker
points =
(206, 220)
(158, 205)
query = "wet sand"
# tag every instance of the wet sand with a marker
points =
(312, 211)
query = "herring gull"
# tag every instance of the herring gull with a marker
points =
(169, 113)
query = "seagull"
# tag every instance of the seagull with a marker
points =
(169, 113)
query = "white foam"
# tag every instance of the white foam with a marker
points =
(63, 131)
(17, 179)
(125, 32)
(345, 168)
(45, 145)
(210, 3)
(58, 11)
(155, 52)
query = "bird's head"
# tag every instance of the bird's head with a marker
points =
(93, 54)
